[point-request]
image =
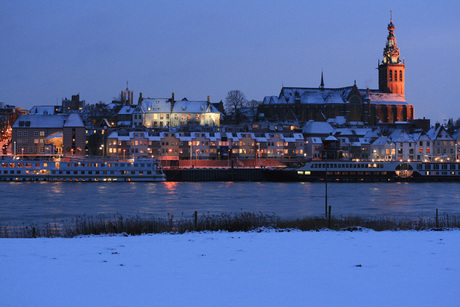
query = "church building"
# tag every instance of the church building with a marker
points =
(386, 104)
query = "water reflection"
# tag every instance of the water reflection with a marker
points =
(26, 202)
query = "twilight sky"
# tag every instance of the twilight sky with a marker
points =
(53, 49)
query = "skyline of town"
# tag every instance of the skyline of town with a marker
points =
(203, 49)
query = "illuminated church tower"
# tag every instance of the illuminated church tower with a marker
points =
(391, 70)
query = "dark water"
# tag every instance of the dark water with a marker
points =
(34, 202)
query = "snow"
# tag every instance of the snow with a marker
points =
(74, 120)
(326, 268)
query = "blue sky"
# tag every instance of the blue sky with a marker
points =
(53, 49)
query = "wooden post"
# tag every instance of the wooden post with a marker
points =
(437, 221)
(196, 220)
(329, 218)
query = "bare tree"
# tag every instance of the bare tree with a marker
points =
(253, 106)
(234, 101)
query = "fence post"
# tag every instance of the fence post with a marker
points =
(437, 221)
(196, 220)
(329, 218)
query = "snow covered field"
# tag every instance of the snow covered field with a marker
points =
(324, 268)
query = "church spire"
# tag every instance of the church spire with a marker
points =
(391, 70)
(321, 86)
(391, 50)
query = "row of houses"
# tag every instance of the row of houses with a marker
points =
(40, 133)
(343, 143)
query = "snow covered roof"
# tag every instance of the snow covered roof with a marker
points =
(383, 140)
(39, 121)
(439, 133)
(315, 95)
(330, 138)
(126, 110)
(313, 127)
(401, 137)
(155, 105)
(74, 120)
(387, 98)
(194, 107)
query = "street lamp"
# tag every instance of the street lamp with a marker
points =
(191, 154)
(258, 152)
(124, 152)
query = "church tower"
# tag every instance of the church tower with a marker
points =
(391, 70)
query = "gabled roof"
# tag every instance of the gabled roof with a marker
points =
(74, 120)
(401, 136)
(439, 133)
(383, 140)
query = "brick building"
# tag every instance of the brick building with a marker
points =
(386, 104)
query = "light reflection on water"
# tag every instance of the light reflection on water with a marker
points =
(38, 201)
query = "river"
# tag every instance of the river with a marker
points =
(38, 202)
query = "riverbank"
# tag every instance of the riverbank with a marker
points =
(232, 222)
(326, 268)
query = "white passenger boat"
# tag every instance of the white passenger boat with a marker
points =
(17, 169)
(371, 171)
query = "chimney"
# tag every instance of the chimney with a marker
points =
(208, 98)
(172, 96)
(140, 97)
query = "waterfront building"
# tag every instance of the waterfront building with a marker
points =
(456, 137)
(382, 149)
(443, 144)
(313, 147)
(166, 112)
(34, 134)
(125, 116)
(386, 104)
(404, 145)
(423, 147)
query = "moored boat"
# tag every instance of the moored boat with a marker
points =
(351, 171)
(85, 170)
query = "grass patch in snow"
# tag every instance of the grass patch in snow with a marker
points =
(243, 221)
